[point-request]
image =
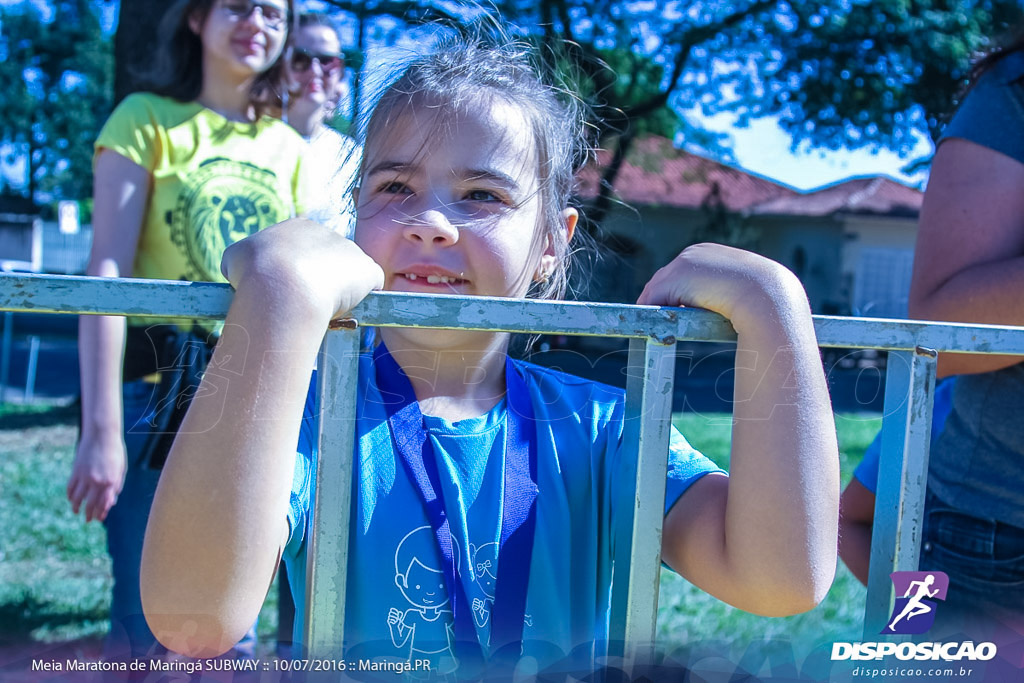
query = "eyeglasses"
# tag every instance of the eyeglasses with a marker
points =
(302, 60)
(273, 15)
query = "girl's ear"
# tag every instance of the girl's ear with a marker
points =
(549, 259)
(195, 22)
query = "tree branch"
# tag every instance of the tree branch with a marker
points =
(690, 38)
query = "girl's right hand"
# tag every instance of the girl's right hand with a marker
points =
(97, 474)
(304, 265)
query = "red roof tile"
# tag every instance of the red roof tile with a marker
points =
(657, 173)
(873, 194)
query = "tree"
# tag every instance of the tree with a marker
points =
(54, 95)
(836, 73)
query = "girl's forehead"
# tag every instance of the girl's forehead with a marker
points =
(486, 134)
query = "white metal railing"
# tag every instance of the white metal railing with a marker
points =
(652, 333)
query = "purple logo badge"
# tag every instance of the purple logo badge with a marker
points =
(916, 593)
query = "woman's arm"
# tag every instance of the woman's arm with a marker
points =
(969, 258)
(120, 193)
(218, 522)
(763, 539)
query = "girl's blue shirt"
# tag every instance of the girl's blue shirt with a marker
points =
(398, 608)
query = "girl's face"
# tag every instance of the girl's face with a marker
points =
(242, 37)
(449, 203)
(314, 65)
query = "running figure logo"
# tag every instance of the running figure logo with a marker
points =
(914, 612)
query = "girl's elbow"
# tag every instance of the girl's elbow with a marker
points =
(810, 597)
(191, 634)
(187, 621)
(798, 590)
(790, 599)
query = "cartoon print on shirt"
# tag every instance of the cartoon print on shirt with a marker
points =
(427, 627)
(485, 574)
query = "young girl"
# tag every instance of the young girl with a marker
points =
(466, 177)
(181, 172)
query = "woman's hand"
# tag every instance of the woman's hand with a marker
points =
(748, 289)
(97, 474)
(305, 265)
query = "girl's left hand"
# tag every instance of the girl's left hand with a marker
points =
(740, 285)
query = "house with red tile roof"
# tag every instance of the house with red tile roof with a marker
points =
(851, 243)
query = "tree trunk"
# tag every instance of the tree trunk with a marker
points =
(135, 43)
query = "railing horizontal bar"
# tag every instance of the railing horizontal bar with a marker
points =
(209, 301)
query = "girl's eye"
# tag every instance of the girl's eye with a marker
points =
(394, 187)
(482, 196)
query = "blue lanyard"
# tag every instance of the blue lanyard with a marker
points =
(519, 508)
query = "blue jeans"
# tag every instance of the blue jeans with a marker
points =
(126, 528)
(984, 559)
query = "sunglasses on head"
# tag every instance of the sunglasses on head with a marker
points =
(302, 60)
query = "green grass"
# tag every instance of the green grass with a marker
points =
(54, 570)
(55, 575)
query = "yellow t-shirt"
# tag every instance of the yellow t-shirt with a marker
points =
(214, 181)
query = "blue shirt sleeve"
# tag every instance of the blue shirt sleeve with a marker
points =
(685, 466)
(993, 111)
(867, 471)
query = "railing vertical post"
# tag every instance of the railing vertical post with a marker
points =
(327, 556)
(30, 371)
(5, 353)
(902, 478)
(640, 504)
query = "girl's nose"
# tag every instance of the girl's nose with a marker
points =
(431, 227)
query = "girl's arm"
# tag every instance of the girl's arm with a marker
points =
(969, 258)
(218, 522)
(763, 539)
(120, 192)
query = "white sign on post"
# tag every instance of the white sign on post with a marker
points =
(67, 217)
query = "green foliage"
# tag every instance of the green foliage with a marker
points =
(55, 93)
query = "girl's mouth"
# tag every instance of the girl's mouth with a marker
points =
(433, 279)
(250, 46)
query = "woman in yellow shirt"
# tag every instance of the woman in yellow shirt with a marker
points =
(181, 172)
